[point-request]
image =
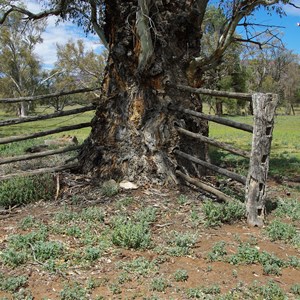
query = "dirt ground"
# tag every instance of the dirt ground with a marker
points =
(107, 277)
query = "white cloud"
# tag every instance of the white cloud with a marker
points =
(59, 34)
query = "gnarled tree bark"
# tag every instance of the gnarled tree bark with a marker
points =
(151, 43)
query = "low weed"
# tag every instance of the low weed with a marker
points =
(218, 251)
(270, 291)
(278, 230)
(139, 266)
(159, 284)
(146, 215)
(130, 234)
(181, 275)
(74, 292)
(44, 250)
(12, 284)
(288, 208)
(110, 188)
(28, 222)
(24, 190)
(295, 289)
(181, 243)
(229, 212)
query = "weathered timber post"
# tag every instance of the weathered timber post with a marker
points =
(264, 106)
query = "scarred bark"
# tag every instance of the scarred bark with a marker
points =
(133, 134)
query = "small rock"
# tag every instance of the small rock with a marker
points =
(127, 185)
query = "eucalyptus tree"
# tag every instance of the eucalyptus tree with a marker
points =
(75, 67)
(20, 68)
(153, 46)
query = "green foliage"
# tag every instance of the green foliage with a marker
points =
(278, 230)
(92, 254)
(130, 234)
(73, 292)
(289, 208)
(218, 251)
(139, 266)
(229, 212)
(110, 188)
(12, 258)
(43, 251)
(270, 291)
(24, 190)
(146, 215)
(159, 284)
(181, 275)
(12, 284)
(181, 243)
(295, 289)
(245, 255)
(28, 222)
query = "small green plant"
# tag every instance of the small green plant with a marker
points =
(181, 275)
(229, 212)
(212, 290)
(110, 188)
(181, 243)
(73, 292)
(270, 291)
(12, 284)
(182, 199)
(44, 250)
(289, 208)
(12, 258)
(28, 222)
(24, 190)
(92, 254)
(146, 215)
(139, 266)
(271, 270)
(115, 288)
(278, 230)
(245, 255)
(125, 202)
(159, 284)
(92, 214)
(295, 289)
(130, 234)
(218, 251)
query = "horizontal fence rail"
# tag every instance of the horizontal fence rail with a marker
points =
(46, 96)
(214, 93)
(41, 171)
(8, 160)
(216, 119)
(43, 133)
(47, 116)
(213, 142)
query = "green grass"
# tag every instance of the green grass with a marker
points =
(285, 151)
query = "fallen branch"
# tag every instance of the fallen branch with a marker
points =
(214, 168)
(204, 187)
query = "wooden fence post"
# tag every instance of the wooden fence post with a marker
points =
(264, 106)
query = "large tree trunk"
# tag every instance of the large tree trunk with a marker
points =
(133, 134)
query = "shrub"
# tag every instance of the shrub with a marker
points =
(278, 230)
(24, 190)
(129, 234)
(216, 214)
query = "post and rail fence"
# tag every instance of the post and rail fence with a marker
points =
(264, 106)
(23, 137)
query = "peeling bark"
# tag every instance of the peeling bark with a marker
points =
(133, 133)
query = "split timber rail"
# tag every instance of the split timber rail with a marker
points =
(264, 106)
(23, 137)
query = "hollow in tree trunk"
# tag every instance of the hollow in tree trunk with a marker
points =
(133, 134)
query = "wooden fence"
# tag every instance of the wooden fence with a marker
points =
(264, 106)
(23, 137)
(255, 183)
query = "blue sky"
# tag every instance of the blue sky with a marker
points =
(65, 31)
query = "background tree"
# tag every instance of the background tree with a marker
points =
(75, 68)
(20, 68)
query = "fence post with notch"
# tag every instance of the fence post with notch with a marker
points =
(264, 106)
